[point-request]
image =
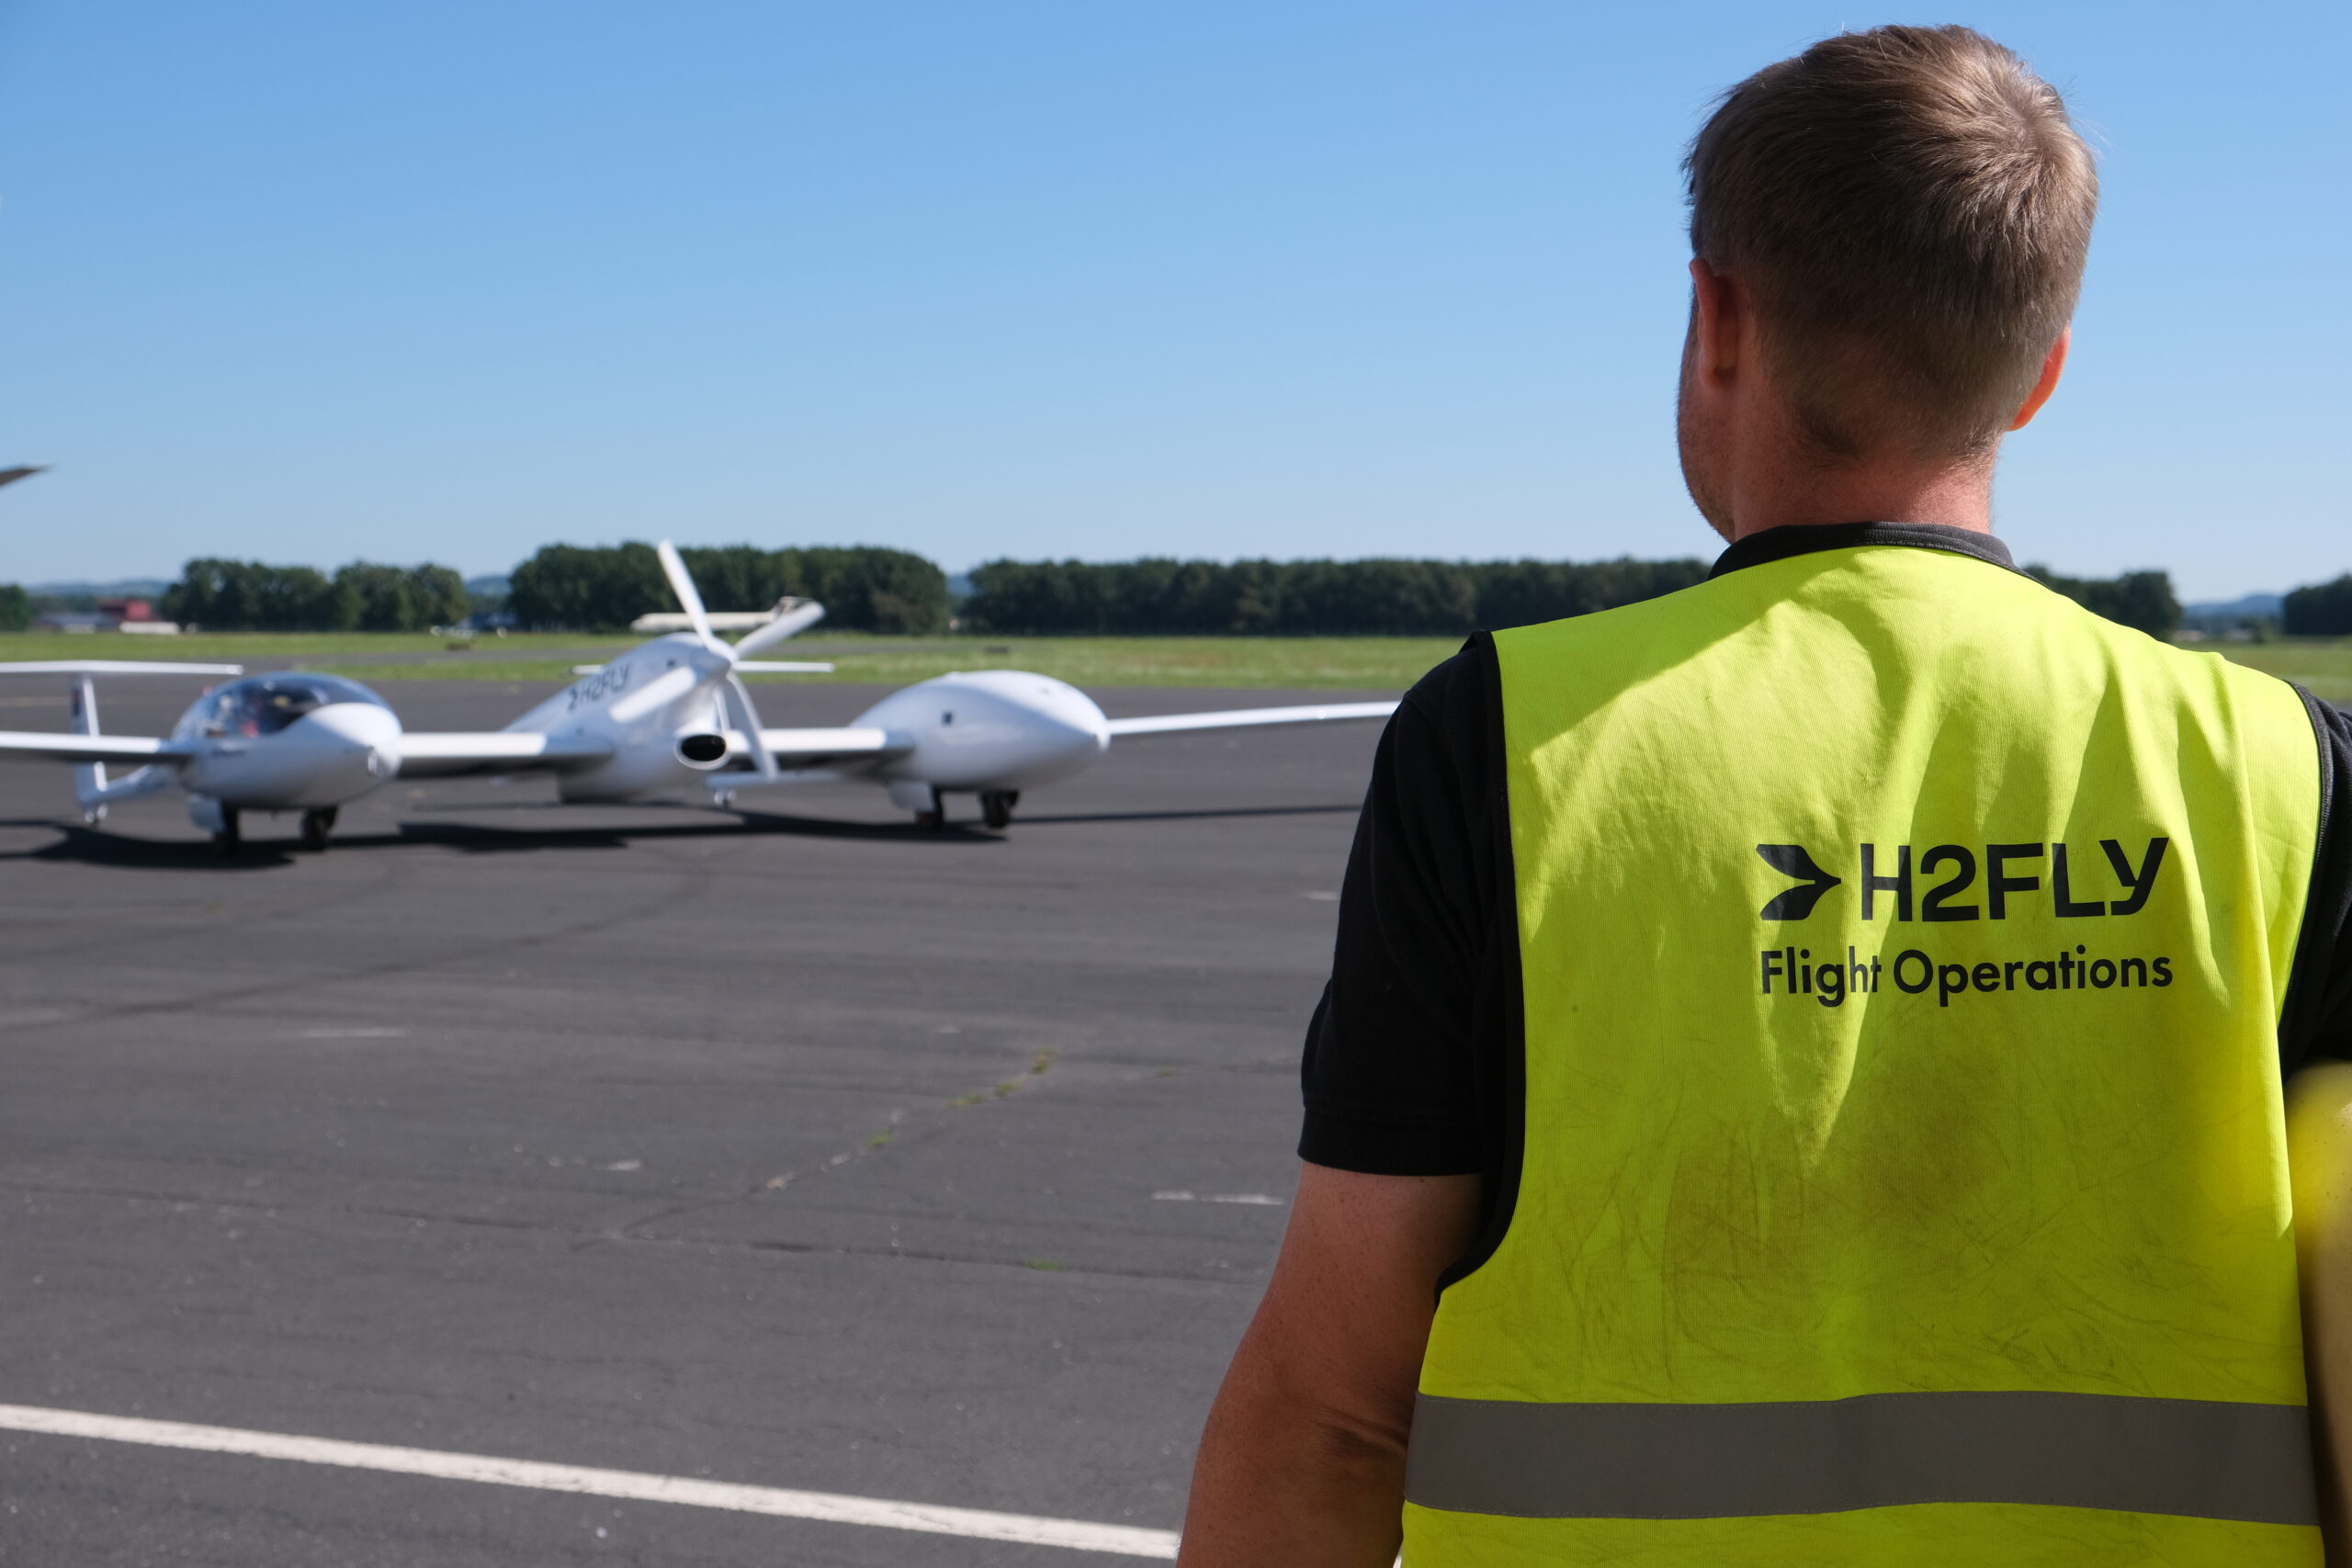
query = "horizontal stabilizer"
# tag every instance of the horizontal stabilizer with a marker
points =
(117, 667)
(33, 746)
(664, 621)
(1246, 719)
(790, 617)
(465, 753)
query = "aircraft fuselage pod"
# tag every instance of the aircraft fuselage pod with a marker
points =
(988, 729)
(287, 742)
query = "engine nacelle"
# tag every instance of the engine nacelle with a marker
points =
(702, 752)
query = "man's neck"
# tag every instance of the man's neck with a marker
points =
(1955, 496)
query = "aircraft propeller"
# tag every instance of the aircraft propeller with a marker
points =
(735, 697)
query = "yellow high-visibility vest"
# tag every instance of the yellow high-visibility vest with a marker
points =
(1904, 1174)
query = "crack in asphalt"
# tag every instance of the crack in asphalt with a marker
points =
(585, 1238)
(1039, 1065)
(628, 914)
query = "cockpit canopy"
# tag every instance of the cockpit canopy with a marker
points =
(264, 704)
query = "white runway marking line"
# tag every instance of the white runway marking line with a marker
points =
(827, 1507)
(1255, 1199)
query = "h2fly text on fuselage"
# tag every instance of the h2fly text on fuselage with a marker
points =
(1944, 886)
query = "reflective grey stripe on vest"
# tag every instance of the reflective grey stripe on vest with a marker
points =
(2201, 1458)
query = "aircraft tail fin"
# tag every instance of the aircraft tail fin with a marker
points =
(91, 788)
(89, 778)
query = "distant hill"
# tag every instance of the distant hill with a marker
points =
(2252, 607)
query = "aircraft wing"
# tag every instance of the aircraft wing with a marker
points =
(822, 747)
(469, 754)
(1245, 718)
(35, 746)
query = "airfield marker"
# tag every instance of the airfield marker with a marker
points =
(827, 1507)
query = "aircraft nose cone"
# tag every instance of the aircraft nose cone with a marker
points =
(1076, 721)
(363, 728)
(1073, 739)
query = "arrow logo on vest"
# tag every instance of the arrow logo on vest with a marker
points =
(1796, 903)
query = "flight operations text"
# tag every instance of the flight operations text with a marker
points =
(1793, 972)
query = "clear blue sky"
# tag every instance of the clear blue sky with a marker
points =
(449, 280)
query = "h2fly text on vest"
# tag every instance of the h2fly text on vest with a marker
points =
(1944, 886)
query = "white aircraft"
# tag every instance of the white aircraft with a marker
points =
(671, 715)
(296, 741)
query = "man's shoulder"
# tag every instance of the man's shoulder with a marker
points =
(1618, 644)
(1455, 685)
(2208, 689)
(1445, 741)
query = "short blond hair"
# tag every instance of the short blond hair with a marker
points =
(1910, 208)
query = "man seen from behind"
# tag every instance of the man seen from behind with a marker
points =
(1801, 1077)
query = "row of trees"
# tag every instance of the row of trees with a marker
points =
(1327, 597)
(235, 595)
(862, 588)
(2323, 609)
(1424, 597)
(867, 588)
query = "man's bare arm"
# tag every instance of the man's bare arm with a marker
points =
(1303, 1463)
(2319, 1152)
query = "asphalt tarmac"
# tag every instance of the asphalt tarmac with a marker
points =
(806, 1150)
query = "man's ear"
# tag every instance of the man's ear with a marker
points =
(1718, 316)
(2051, 366)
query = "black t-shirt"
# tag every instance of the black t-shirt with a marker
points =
(1413, 1060)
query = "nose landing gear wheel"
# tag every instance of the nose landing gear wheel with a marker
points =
(934, 817)
(316, 825)
(996, 806)
(227, 836)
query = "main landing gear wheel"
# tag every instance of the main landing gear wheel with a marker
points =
(996, 806)
(227, 836)
(316, 825)
(933, 819)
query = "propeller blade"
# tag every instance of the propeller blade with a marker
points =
(674, 569)
(747, 718)
(666, 687)
(790, 618)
